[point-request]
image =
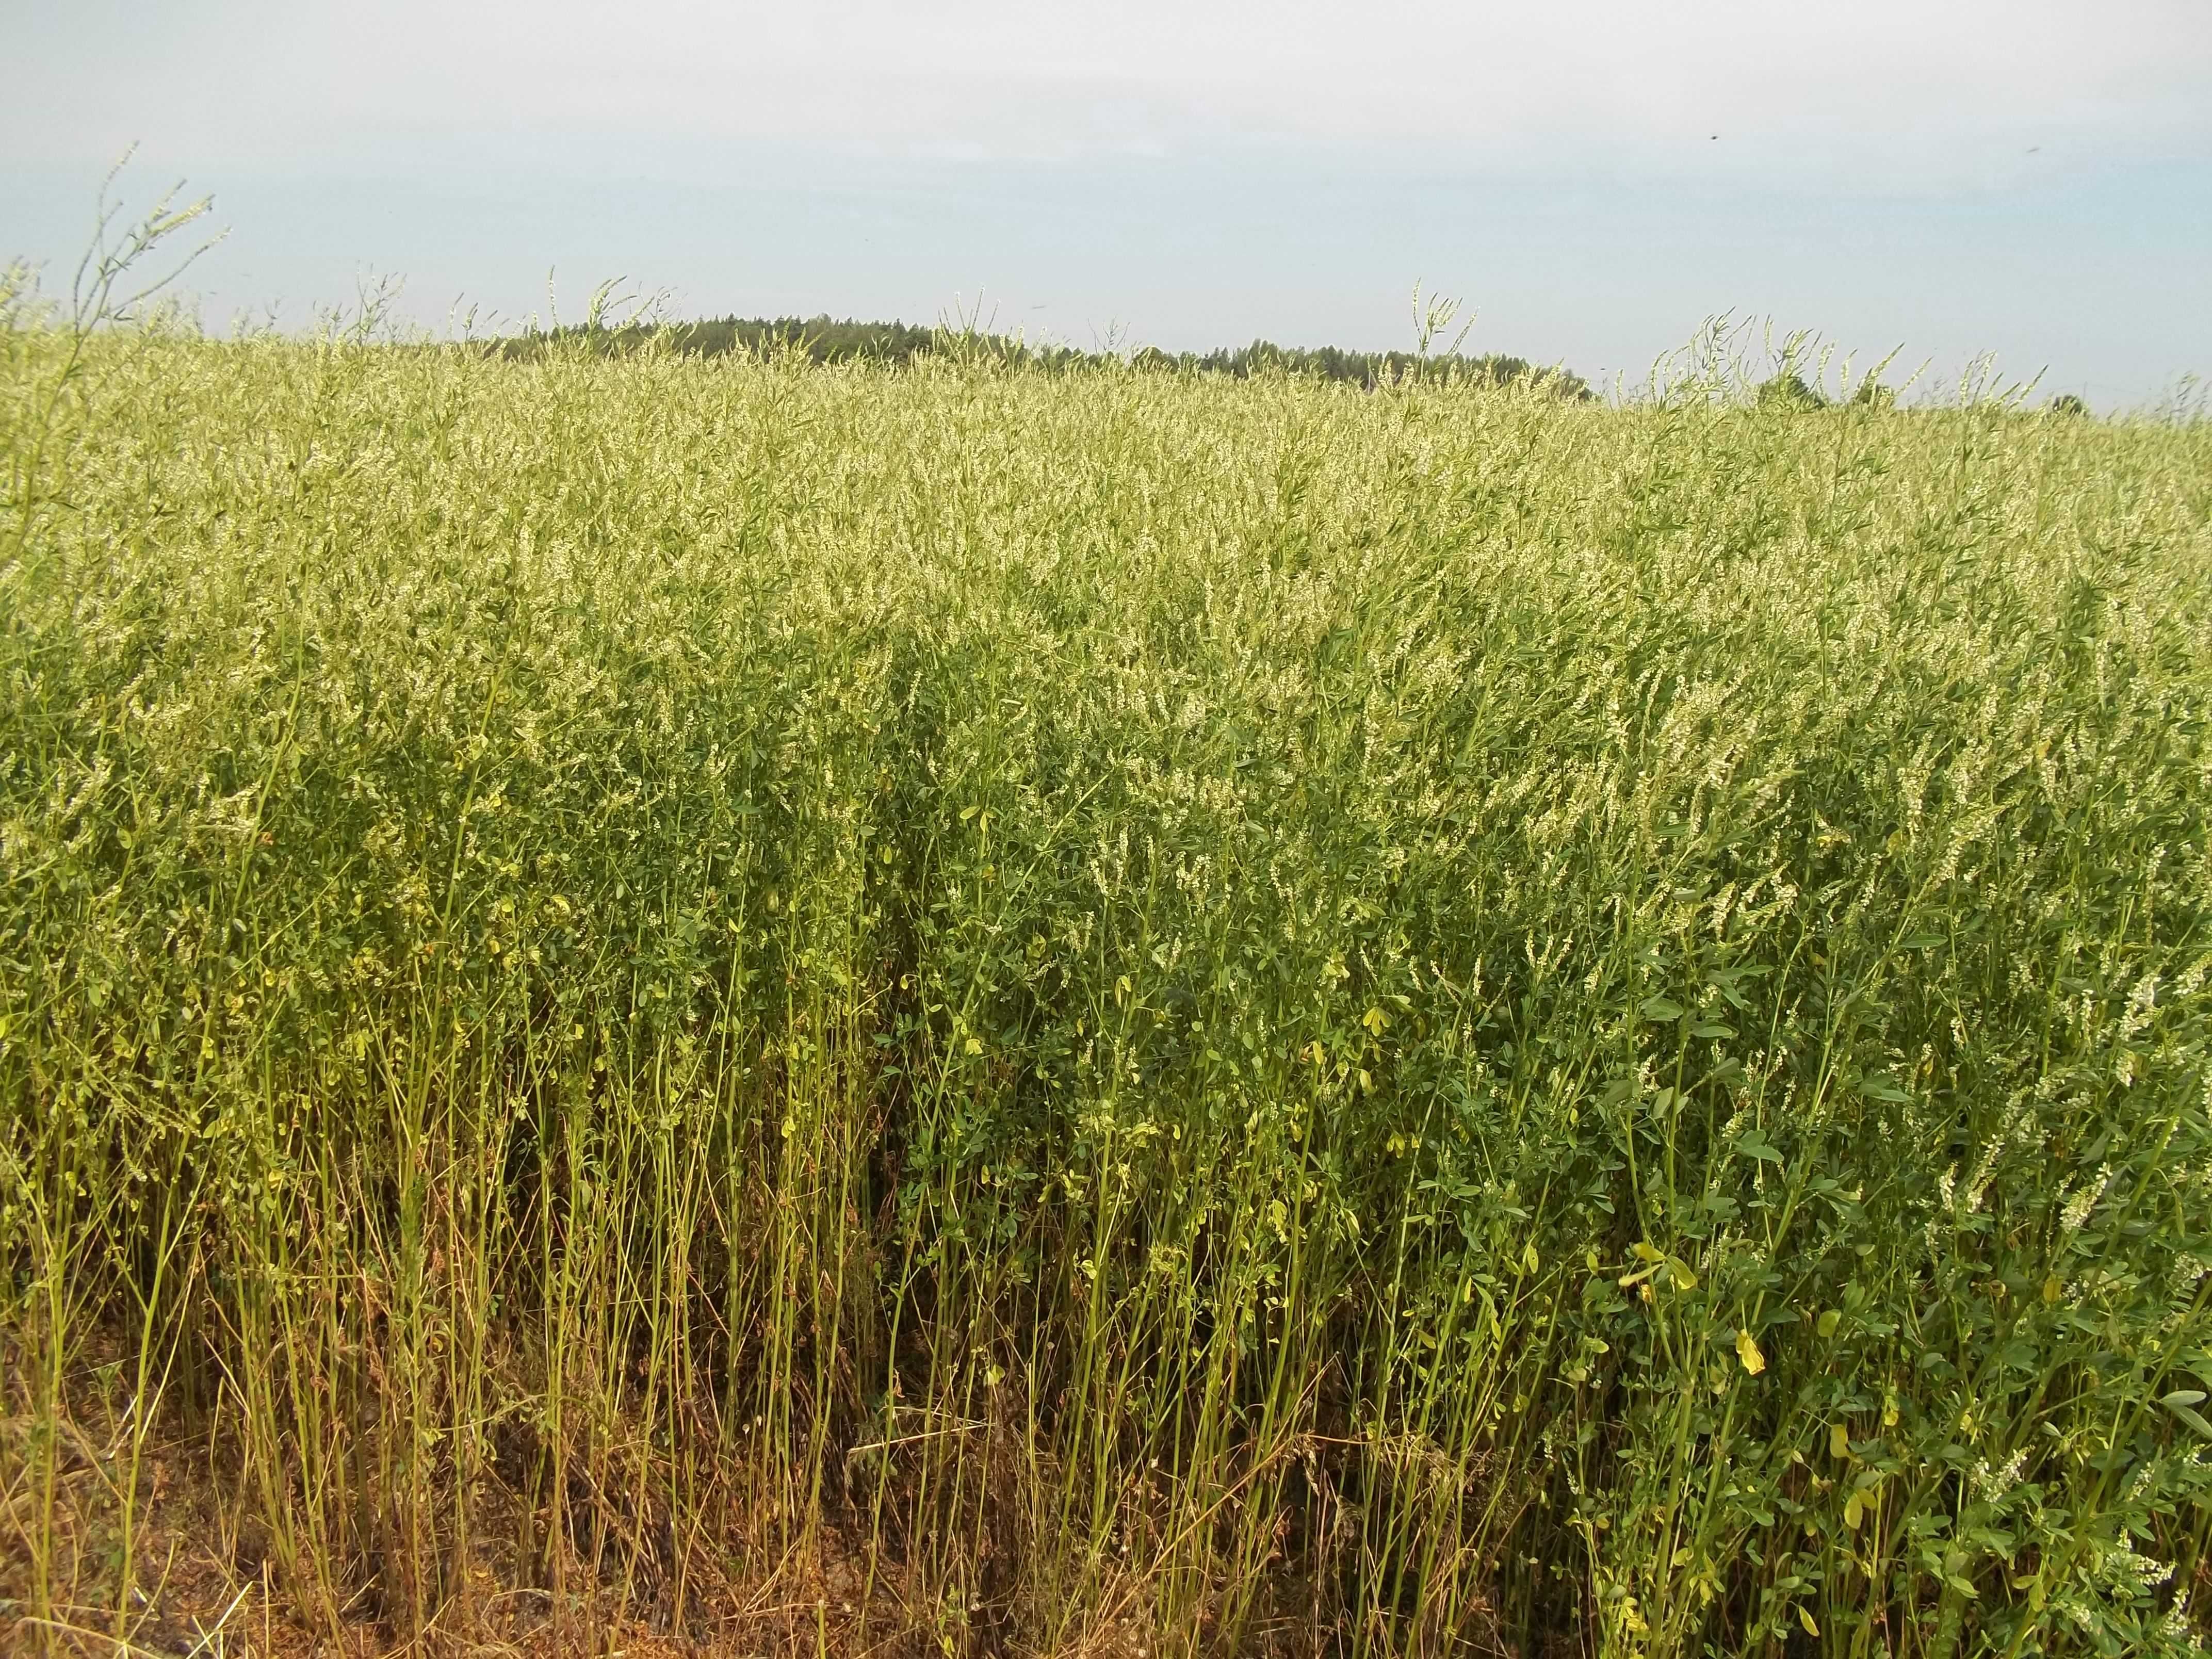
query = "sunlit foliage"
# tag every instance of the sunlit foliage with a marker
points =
(1168, 1012)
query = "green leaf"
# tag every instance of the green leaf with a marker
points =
(1753, 1143)
(2189, 1415)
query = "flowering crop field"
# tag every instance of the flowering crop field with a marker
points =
(736, 1006)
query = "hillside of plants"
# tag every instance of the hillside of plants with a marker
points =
(825, 339)
(718, 1003)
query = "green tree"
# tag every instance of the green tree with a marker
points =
(1790, 390)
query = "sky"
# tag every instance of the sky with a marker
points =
(1943, 179)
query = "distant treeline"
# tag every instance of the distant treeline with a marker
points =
(834, 340)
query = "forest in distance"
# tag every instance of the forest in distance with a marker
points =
(824, 339)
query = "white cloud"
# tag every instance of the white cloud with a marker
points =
(1898, 91)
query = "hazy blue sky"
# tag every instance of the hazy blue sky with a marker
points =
(2030, 178)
